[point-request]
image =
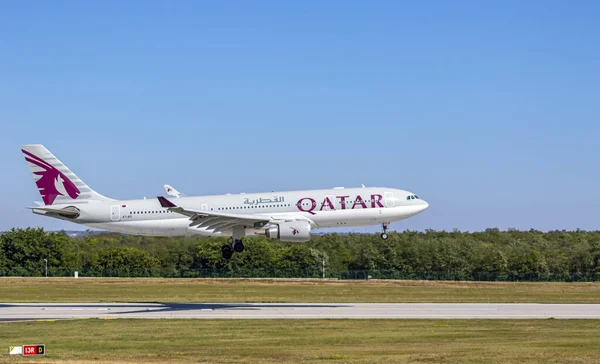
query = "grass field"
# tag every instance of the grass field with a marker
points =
(331, 341)
(238, 290)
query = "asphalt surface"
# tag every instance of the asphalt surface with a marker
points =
(51, 311)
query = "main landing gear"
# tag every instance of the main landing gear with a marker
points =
(385, 226)
(235, 244)
(238, 246)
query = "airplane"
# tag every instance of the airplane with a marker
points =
(171, 191)
(286, 216)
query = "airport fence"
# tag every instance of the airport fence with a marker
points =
(311, 273)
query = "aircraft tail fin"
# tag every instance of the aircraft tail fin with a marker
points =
(171, 191)
(55, 181)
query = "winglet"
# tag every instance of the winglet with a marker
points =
(165, 203)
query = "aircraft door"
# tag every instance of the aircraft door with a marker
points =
(115, 213)
(389, 199)
(204, 207)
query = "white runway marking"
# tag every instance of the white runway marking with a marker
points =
(41, 311)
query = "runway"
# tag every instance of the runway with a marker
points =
(53, 311)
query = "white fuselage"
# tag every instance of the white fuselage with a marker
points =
(337, 207)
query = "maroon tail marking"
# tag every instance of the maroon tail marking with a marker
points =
(50, 176)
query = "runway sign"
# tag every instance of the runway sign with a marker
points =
(15, 350)
(30, 350)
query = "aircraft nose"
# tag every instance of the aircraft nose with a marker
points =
(424, 205)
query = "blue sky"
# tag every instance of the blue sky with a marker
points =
(488, 110)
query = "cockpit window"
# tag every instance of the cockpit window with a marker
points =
(412, 197)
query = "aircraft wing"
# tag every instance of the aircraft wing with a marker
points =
(217, 221)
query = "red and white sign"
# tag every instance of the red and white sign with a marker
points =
(30, 350)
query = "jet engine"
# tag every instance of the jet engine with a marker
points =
(294, 231)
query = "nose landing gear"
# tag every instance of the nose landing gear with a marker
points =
(385, 227)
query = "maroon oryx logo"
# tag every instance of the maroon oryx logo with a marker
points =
(295, 231)
(52, 183)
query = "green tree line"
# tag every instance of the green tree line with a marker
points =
(488, 255)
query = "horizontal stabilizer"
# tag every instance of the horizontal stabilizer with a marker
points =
(70, 212)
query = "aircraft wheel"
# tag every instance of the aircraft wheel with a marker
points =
(227, 252)
(384, 236)
(238, 246)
